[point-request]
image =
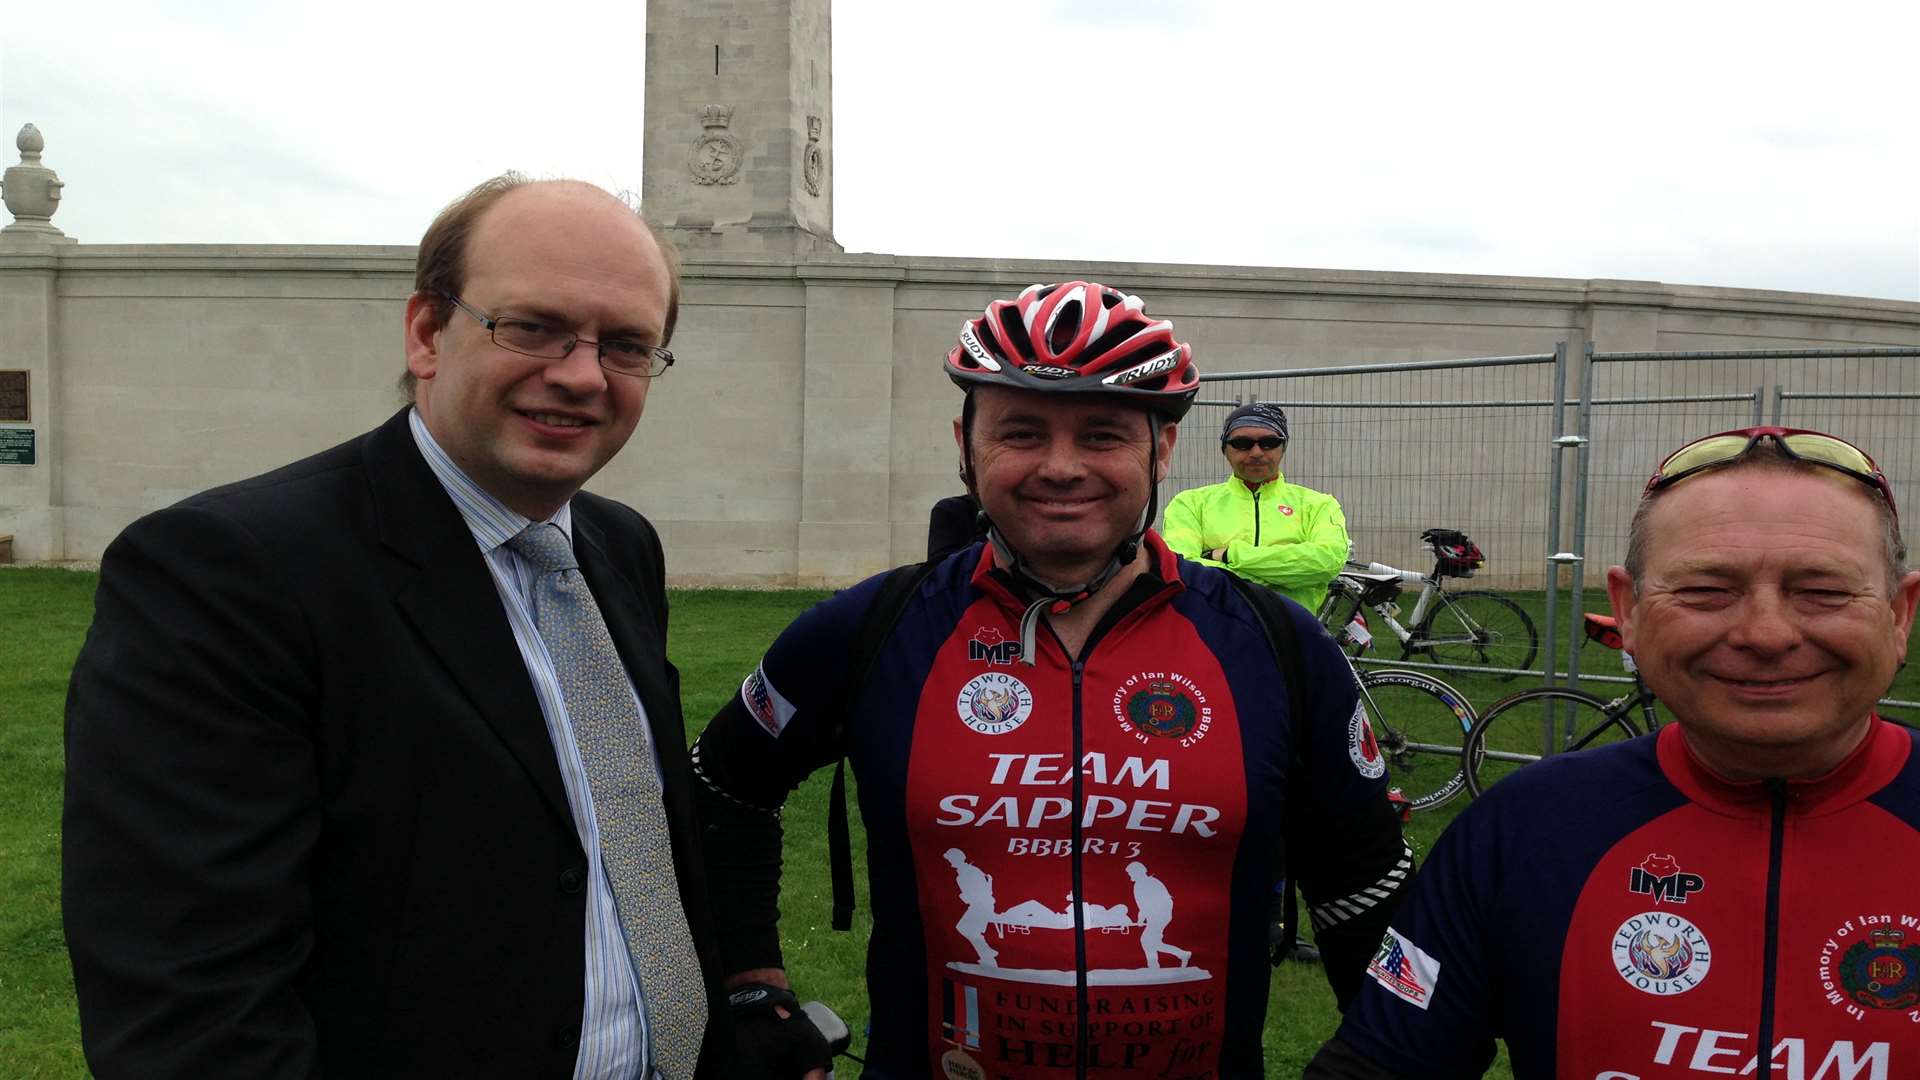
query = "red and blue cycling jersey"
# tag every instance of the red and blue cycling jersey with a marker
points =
(1626, 914)
(1071, 862)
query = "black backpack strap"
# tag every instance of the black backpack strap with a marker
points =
(1293, 668)
(882, 614)
(1286, 651)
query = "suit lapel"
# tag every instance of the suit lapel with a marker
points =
(442, 584)
(635, 637)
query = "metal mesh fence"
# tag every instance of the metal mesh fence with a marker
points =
(1471, 445)
(1460, 444)
(1643, 406)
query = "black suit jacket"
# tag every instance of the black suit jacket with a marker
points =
(314, 822)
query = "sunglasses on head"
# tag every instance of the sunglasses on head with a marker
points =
(1268, 442)
(1799, 444)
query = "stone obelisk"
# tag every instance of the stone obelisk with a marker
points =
(739, 124)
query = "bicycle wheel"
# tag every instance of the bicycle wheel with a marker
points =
(1512, 732)
(1421, 725)
(1479, 629)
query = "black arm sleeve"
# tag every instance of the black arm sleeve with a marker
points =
(1354, 873)
(783, 724)
(740, 844)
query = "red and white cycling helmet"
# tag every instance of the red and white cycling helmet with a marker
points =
(1077, 337)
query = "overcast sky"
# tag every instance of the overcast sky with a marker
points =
(1752, 145)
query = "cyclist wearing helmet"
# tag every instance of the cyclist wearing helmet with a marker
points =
(1048, 719)
(1256, 524)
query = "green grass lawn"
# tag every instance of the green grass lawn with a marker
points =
(715, 639)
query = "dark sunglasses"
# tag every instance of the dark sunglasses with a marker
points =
(1799, 444)
(1268, 443)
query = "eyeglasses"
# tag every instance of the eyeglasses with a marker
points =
(551, 341)
(1797, 443)
(1267, 443)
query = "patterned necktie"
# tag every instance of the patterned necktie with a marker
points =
(627, 802)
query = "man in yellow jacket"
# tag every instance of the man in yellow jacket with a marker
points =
(1284, 536)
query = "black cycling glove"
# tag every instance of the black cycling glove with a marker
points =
(768, 1046)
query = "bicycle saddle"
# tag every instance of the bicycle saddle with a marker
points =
(1604, 629)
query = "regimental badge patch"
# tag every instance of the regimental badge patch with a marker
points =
(1882, 972)
(988, 643)
(1154, 705)
(1406, 971)
(1872, 961)
(765, 703)
(1160, 708)
(1661, 953)
(1660, 877)
(1362, 748)
(994, 703)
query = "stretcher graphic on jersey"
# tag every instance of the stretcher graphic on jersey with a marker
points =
(1151, 899)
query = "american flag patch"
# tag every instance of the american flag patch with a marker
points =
(765, 703)
(1407, 973)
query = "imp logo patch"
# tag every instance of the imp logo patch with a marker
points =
(988, 643)
(994, 703)
(1660, 877)
(1658, 952)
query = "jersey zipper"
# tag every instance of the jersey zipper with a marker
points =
(1081, 997)
(1777, 795)
(1256, 518)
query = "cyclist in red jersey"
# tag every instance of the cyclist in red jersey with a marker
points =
(1078, 757)
(1730, 896)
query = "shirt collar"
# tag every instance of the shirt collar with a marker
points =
(1279, 478)
(490, 520)
(1868, 768)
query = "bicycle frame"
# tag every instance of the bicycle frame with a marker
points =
(1431, 589)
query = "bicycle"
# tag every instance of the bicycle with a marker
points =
(1512, 729)
(1474, 628)
(1419, 726)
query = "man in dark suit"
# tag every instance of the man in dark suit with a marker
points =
(335, 803)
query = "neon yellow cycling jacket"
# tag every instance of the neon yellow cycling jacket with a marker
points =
(1284, 536)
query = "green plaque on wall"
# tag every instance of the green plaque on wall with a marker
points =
(16, 446)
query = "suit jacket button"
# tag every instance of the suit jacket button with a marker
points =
(573, 879)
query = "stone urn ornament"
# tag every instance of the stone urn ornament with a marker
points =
(31, 191)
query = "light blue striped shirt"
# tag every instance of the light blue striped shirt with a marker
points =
(613, 1027)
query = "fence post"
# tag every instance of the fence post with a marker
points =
(1549, 646)
(1582, 476)
(1779, 393)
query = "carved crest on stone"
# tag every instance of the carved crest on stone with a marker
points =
(812, 161)
(715, 156)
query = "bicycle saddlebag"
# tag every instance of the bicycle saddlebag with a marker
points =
(1458, 556)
